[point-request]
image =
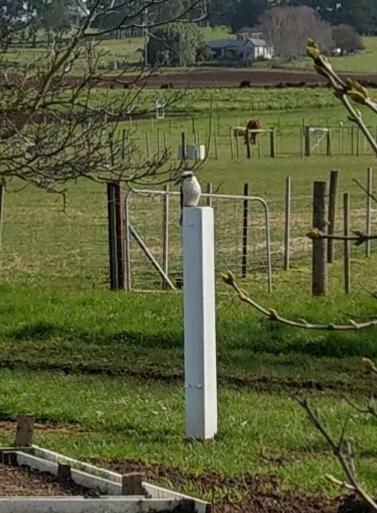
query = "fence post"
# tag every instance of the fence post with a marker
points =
(307, 141)
(237, 147)
(347, 263)
(127, 247)
(273, 143)
(120, 236)
(158, 142)
(248, 146)
(332, 214)
(215, 141)
(2, 201)
(368, 227)
(123, 144)
(199, 323)
(357, 142)
(231, 144)
(183, 142)
(319, 269)
(113, 235)
(301, 142)
(287, 227)
(147, 144)
(209, 191)
(328, 143)
(165, 234)
(245, 219)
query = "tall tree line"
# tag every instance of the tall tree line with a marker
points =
(57, 14)
(361, 14)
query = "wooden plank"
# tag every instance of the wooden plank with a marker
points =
(79, 465)
(153, 490)
(105, 486)
(89, 505)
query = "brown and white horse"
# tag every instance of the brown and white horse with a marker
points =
(253, 124)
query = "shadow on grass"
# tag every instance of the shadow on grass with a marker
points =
(46, 331)
(268, 338)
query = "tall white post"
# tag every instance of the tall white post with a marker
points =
(199, 323)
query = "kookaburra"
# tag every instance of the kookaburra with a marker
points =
(190, 191)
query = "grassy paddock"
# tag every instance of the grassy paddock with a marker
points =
(112, 419)
(103, 371)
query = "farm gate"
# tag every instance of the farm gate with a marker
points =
(153, 258)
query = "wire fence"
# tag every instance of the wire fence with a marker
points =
(43, 244)
(230, 142)
(242, 235)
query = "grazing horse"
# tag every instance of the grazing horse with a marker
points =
(253, 124)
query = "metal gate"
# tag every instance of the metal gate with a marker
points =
(153, 242)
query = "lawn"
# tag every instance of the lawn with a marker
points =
(361, 62)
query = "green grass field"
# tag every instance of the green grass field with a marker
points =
(102, 372)
(361, 62)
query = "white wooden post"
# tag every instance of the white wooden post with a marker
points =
(199, 323)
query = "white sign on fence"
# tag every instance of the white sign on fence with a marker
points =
(199, 323)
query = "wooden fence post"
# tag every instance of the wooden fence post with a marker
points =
(347, 263)
(248, 146)
(319, 269)
(165, 234)
(302, 152)
(273, 143)
(158, 142)
(183, 143)
(147, 144)
(215, 142)
(287, 227)
(332, 214)
(116, 237)
(307, 141)
(328, 143)
(231, 144)
(209, 191)
(368, 227)
(2, 201)
(245, 219)
(237, 147)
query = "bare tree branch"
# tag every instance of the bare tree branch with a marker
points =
(358, 236)
(344, 89)
(338, 448)
(273, 315)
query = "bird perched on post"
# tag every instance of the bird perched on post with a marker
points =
(190, 191)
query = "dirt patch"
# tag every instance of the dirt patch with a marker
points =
(15, 481)
(199, 78)
(259, 493)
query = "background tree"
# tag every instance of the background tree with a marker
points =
(177, 44)
(247, 13)
(346, 38)
(361, 14)
(55, 124)
(288, 28)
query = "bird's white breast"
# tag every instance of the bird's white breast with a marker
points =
(191, 192)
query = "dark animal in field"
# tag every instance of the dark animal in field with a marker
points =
(253, 124)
